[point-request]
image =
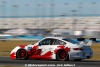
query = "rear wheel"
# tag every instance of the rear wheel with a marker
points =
(22, 54)
(62, 55)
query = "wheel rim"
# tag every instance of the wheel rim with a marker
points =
(22, 53)
(62, 55)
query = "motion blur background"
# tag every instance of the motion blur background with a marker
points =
(35, 19)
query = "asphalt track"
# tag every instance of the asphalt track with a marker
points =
(83, 63)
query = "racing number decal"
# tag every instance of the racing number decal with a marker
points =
(36, 52)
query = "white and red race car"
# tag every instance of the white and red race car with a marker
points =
(58, 48)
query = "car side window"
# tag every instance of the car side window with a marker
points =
(46, 42)
(58, 42)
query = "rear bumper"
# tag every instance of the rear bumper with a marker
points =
(80, 55)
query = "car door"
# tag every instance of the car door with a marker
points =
(45, 46)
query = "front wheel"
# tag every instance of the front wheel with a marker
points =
(22, 54)
(62, 55)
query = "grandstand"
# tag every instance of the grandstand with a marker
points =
(81, 23)
(87, 24)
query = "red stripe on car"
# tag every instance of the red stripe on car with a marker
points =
(22, 46)
(45, 56)
(61, 47)
(12, 56)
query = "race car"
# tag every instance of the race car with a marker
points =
(58, 48)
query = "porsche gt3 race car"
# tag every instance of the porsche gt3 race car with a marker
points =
(58, 48)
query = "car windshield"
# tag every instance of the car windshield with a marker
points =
(70, 40)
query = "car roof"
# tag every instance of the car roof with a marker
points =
(55, 37)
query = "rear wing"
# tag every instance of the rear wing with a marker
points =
(89, 43)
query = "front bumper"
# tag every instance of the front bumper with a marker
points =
(12, 55)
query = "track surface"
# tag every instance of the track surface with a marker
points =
(84, 63)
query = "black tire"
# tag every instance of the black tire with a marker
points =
(62, 55)
(77, 59)
(22, 54)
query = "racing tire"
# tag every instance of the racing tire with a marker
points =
(22, 54)
(77, 59)
(62, 55)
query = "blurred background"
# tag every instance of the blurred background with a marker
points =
(24, 22)
(35, 19)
